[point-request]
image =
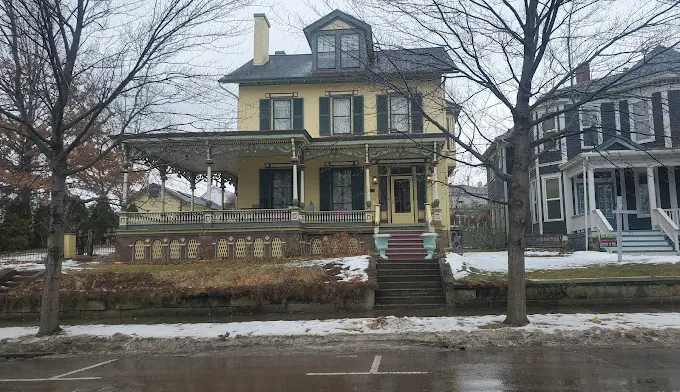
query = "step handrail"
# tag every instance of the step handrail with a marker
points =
(669, 227)
(601, 223)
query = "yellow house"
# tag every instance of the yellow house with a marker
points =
(347, 138)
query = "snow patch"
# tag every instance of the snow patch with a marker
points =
(353, 268)
(29, 266)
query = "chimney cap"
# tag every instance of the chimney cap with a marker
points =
(280, 52)
(262, 15)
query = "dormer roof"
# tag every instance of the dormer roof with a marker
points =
(338, 20)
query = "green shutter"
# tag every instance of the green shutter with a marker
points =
(324, 116)
(417, 114)
(358, 188)
(298, 116)
(382, 192)
(265, 188)
(381, 111)
(265, 115)
(324, 189)
(358, 115)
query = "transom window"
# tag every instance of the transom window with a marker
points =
(590, 136)
(325, 51)
(341, 184)
(552, 199)
(642, 130)
(399, 114)
(349, 51)
(282, 114)
(342, 115)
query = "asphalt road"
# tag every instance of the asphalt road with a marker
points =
(408, 369)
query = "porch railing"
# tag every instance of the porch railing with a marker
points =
(674, 214)
(164, 218)
(665, 223)
(356, 216)
(600, 222)
(251, 216)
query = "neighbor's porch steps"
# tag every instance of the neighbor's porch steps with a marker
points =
(646, 242)
(11, 278)
(406, 278)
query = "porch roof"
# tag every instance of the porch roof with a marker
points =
(186, 152)
(622, 159)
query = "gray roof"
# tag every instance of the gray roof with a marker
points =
(298, 67)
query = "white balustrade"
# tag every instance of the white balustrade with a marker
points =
(251, 216)
(244, 216)
(665, 223)
(674, 214)
(600, 222)
(355, 216)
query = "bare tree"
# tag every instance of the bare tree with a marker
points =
(135, 53)
(512, 57)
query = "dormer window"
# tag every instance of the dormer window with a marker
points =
(325, 51)
(349, 51)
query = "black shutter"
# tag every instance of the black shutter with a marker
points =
(358, 189)
(624, 119)
(298, 116)
(265, 115)
(674, 116)
(325, 189)
(416, 114)
(657, 118)
(265, 188)
(358, 115)
(608, 117)
(324, 116)
(421, 192)
(382, 113)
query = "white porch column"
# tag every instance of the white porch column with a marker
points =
(302, 183)
(651, 187)
(672, 190)
(294, 159)
(192, 184)
(367, 179)
(222, 185)
(435, 186)
(209, 163)
(124, 201)
(591, 190)
(164, 177)
(568, 200)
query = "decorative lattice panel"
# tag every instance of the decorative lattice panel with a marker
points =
(222, 248)
(354, 245)
(156, 250)
(277, 247)
(192, 249)
(317, 246)
(140, 254)
(174, 250)
(258, 248)
(240, 248)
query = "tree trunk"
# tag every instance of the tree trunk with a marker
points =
(517, 211)
(49, 310)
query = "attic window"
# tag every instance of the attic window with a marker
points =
(325, 51)
(349, 51)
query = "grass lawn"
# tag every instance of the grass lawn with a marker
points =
(594, 271)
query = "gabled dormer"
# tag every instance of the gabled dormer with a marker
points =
(339, 42)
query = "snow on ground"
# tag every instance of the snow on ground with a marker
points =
(353, 268)
(462, 265)
(28, 266)
(549, 323)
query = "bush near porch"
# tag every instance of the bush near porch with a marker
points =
(273, 281)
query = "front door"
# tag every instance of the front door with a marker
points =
(403, 210)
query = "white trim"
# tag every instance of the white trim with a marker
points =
(563, 141)
(634, 132)
(568, 200)
(533, 201)
(597, 125)
(544, 199)
(622, 173)
(665, 112)
(541, 133)
(617, 117)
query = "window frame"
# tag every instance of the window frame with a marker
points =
(545, 200)
(597, 116)
(343, 53)
(290, 113)
(542, 133)
(633, 124)
(334, 39)
(391, 129)
(350, 115)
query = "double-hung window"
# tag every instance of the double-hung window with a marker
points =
(580, 198)
(283, 114)
(349, 51)
(549, 126)
(341, 185)
(552, 199)
(640, 118)
(325, 51)
(590, 136)
(342, 115)
(399, 114)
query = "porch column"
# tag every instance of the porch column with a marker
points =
(591, 190)
(651, 187)
(435, 186)
(126, 169)
(192, 184)
(222, 188)
(209, 163)
(367, 179)
(294, 160)
(568, 200)
(672, 190)
(302, 183)
(164, 177)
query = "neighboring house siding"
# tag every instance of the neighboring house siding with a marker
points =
(551, 169)
(554, 227)
(550, 156)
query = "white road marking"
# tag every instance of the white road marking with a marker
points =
(373, 371)
(376, 364)
(62, 377)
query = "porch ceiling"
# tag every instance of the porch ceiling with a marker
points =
(622, 159)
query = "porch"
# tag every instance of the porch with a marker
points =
(647, 183)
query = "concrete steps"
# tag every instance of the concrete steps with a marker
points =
(10, 278)
(409, 283)
(653, 242)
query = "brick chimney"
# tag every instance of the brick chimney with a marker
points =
(582, 73)
(261, 47)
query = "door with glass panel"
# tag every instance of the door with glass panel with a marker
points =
(403, 209)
